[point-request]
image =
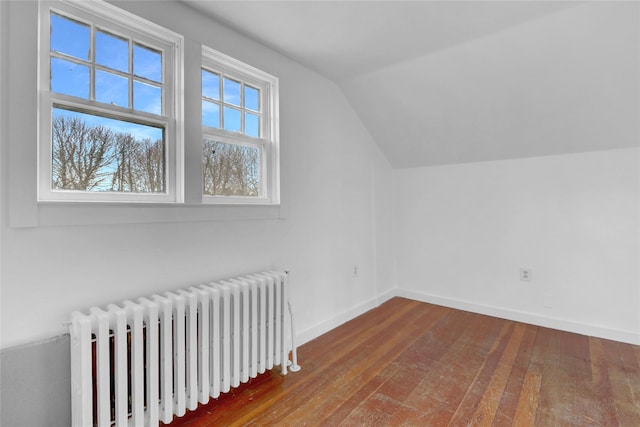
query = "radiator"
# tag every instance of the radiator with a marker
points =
(141, 362)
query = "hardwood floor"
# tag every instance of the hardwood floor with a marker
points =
(408, 363)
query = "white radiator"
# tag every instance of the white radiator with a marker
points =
(144, 361)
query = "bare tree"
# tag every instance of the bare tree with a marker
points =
(150, 158)
(140, 165)
(124, 178)
(81, 154)
(230, 169)
(94, 158)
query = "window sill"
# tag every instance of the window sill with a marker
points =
(53, 214)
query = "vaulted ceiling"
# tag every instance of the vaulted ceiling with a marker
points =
(439, 82)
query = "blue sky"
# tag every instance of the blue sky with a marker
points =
(230, 92)
(114, 76)
(138, 131)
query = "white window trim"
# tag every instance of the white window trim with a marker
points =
(269, 128)
(117, 20)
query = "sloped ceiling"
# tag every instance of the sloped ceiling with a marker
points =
(439, 82)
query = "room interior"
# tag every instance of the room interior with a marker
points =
(429, 150)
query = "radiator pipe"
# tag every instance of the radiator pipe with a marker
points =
(294, 367)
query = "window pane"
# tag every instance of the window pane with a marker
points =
(230, 169)
(69, 78)
(232, 92)
(251, 125)
(98, 154)
(147, 63)
(210, 114)
(147, 98)
(210, 85)
(232, 120)
(70, 37)
(112, 89)
(251, 98)
(112, 52)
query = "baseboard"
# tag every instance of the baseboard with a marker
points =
(629, 337)
(329, 324)
(386, 295)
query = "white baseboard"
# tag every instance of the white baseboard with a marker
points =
(525, 317)
(489, 310)
(387, 295)
(329, 324)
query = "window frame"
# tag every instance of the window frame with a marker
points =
(268, 140)
(115, 21)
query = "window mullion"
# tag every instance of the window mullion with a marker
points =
(92, 63)
(221, 96)
(130, 76)
(111, 70)
(60, 55)
(242, 109)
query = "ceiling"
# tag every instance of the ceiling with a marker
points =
(455, 81)
(342, 39)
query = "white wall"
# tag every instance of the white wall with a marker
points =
(558, 100)
(335, 207)
(464, 231)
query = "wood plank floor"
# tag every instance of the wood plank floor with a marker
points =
(408, 363)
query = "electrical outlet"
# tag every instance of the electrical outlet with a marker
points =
(525, 274)
(355, 271)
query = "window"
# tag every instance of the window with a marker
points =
(240, 132)
(110, 106)
(111, 111)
